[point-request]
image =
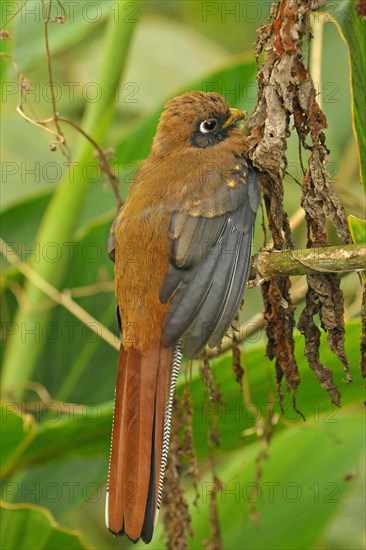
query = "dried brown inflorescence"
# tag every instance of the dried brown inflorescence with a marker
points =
(286, 90)
(177, 520)
(215, 396)
(214, 542)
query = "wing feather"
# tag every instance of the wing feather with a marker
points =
(205, 323)
(210, 248)
(237, 290)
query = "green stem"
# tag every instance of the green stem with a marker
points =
(58, 224)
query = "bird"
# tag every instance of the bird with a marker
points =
(181, 246)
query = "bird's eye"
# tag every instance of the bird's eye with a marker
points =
(208, 125)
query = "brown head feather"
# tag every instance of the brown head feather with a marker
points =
(179, 121)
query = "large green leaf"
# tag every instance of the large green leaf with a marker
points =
(311, 469)
(17, 431)
(24, 527)
(60, 462)
(353, 29)
(62, 487)
(69, 431)
(21, 222)
(357, 228)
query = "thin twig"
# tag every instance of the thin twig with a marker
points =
(46, 20)
(105, 167)
(256, 323)
(293, 178)
(40, 124)
(90, 290)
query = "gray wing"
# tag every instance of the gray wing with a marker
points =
(210, 250)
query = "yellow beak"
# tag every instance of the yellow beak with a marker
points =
(234, 116)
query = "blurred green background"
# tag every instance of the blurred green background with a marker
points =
(56, 457)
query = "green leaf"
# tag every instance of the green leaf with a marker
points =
(310, 471)
(17, 431)
(62, 487)
(24, 527)
(84, 431)
(60, 462)
(347, 527)
(66, 431)
(353, 29)
(358, 229)
(21, 223)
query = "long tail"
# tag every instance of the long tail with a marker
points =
(140, 439)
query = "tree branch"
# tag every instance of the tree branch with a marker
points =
(331, 259)
(267, 264)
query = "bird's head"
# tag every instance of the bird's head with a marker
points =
(195, 119)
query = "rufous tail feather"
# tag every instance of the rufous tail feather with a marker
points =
(140, 439)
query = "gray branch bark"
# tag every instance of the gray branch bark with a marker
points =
(331, 259)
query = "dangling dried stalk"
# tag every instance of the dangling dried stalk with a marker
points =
(286, 90)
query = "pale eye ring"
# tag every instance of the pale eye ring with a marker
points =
(208, 125)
